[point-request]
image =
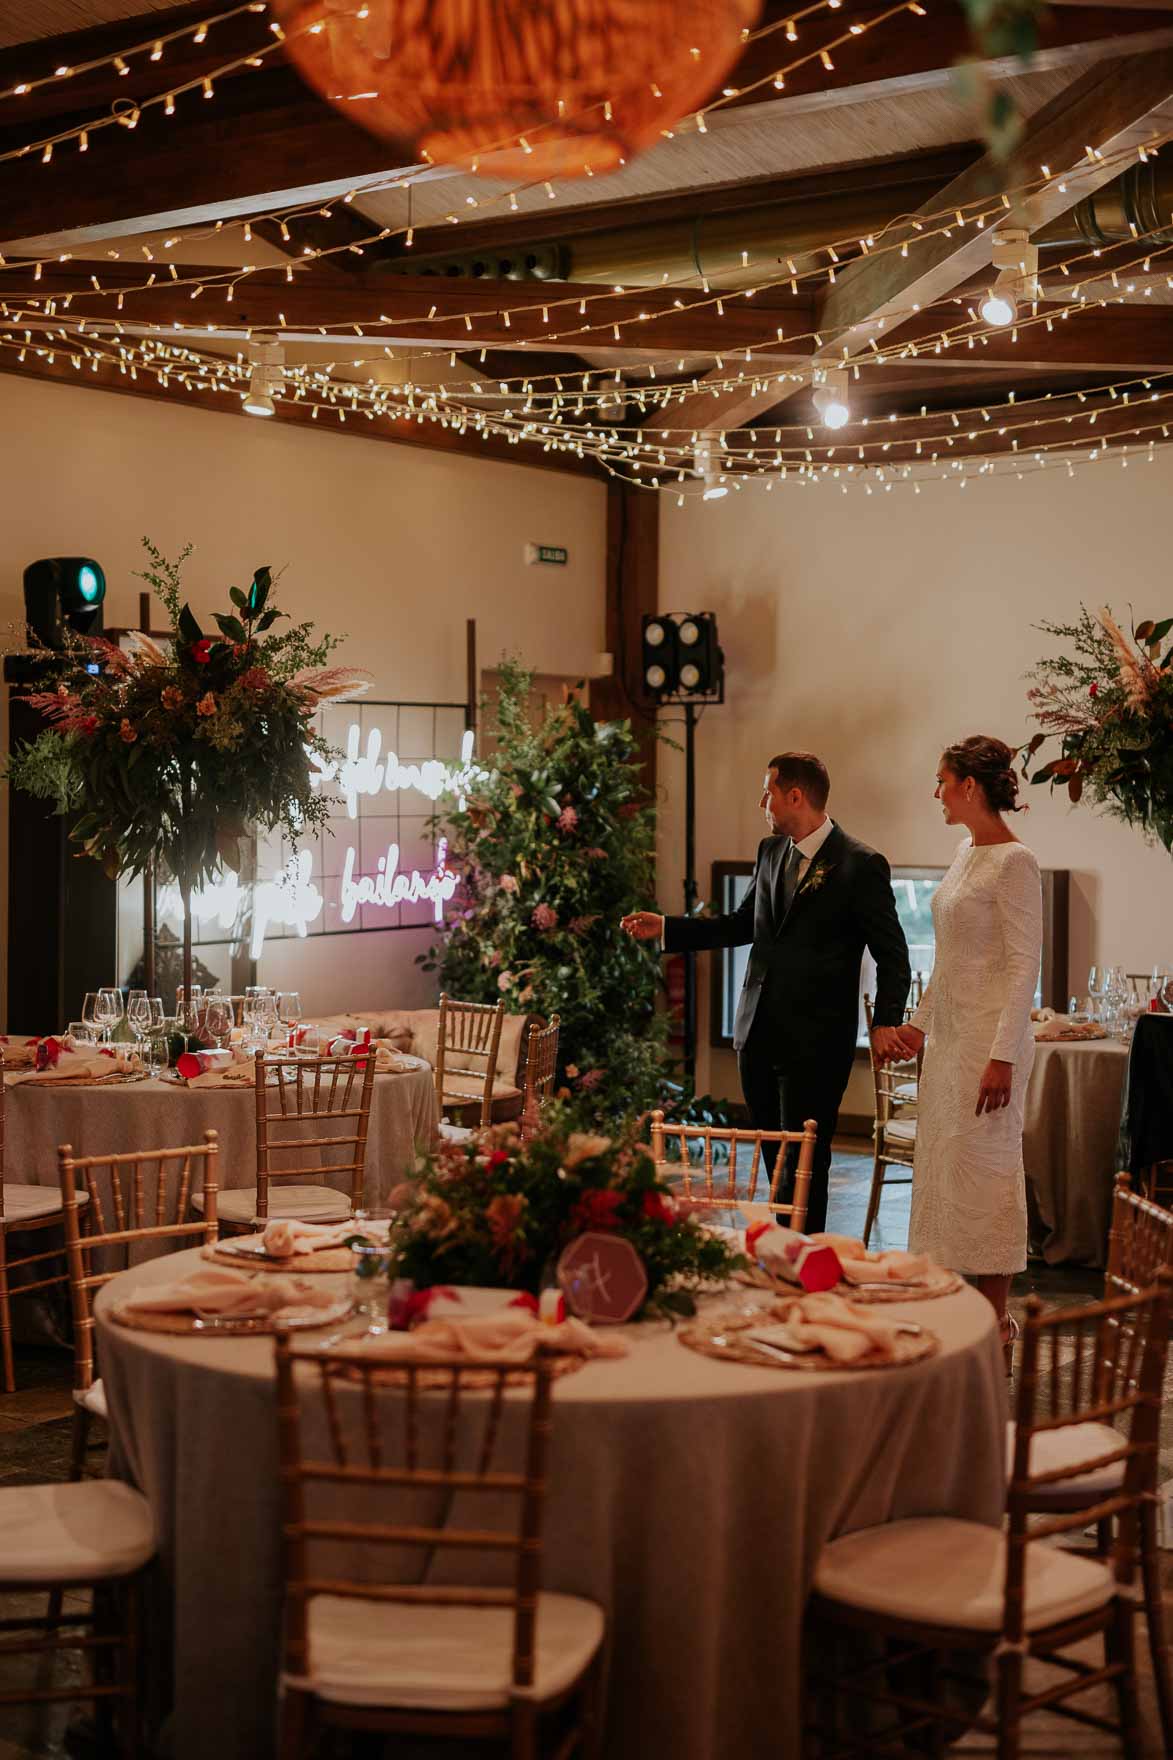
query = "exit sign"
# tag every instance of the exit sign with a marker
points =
(555, 553)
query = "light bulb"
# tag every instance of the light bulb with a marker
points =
(654, 634)
(689, 633)
(690, 677)
(259, 403)
(714, 492)
(656, 677)
(836, 413)
(829, 396)
(999, 307)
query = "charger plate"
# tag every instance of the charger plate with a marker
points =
(247, 1250)
(938, 1282)
(116, 1075)
(725, 1336)
(226, 1326)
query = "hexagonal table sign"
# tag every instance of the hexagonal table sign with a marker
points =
(603, 1279)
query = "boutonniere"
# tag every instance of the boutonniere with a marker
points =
(816, 875)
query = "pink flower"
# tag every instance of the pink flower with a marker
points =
(591, 1079)
(170, 697)
(505, 981)
(206, 704)
(517, 790)
(572, 1071)
(544, 917)
(201, 651)
(580, 925)
(596, 855)
(508, 883)
(567, 819)
(127, 731)
(495, 957)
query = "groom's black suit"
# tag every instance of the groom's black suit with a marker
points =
(798, 1015)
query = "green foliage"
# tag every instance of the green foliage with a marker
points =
(556, 843)
(498, 1212)
(1109, 702)
(176, 755)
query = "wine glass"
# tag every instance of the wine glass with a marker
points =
(289, 1008)
(1167, 993)
(218, 1019)
(109, 1011)
(157, 1015)
(1097, 985)
(89, 1015)
(138, 1014)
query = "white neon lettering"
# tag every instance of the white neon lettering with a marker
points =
(367, 773)
(387, 888)
(291, 899)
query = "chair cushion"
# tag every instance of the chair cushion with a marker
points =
(1051, 1449)
(92, 1399)
(905, 1091)
(33, 1203)
(938, 1571)
(304, 1203)
(901, 1132)
(443, 1658)
(73, 1533)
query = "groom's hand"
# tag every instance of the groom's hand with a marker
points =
(643, 925)
(888, 1045)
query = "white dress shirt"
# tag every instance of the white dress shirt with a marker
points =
(810, 846)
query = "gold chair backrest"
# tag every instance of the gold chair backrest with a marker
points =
(291, 1090)
(889, 1079)
(468, 1041)
(409, 1430)
(1116, 1370)
(541, 1064)
(127, 1205)
(1140, 1240)
(713, 1182)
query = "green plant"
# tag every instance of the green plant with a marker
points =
(556, 842)
(498, 1212)
(1109, 702)
(174, 755)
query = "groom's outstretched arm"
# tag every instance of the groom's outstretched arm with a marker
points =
(885, 940)
(735, 929)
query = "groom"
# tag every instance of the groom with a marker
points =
(816, 900)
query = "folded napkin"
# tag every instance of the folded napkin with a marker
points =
(236, 1075)
(285, 1236)
(18, 1049)
(841, 1329)
(220, 1292)
(861, 1266)
(1060, 1028)
(91, 1065)
(513, 1335)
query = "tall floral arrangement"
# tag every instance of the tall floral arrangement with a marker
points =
(174, 753)
(556, 842)
(1109, 702)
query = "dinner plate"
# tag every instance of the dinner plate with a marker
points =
(186, 1324)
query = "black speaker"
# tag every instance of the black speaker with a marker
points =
(62, 908)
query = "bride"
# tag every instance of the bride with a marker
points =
(968, 1186)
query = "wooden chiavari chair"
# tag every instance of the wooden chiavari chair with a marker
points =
(895, 1087)
(541, 1064)
(416, 1658)
(121, 1204)
(713, 1183)
(25, 1209)
(468, 1042)
(930, 1585)
(291, 1092)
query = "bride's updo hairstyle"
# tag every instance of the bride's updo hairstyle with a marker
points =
(990, 763)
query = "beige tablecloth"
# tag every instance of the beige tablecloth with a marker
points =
(158, 1114)
(689, 1497)
(1069, 1147)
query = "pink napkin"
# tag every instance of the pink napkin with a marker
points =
(285, 1236)
(860, 1266)
(511, 1336)
(843, 1329)
(219, 1291)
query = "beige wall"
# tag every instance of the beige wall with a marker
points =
(392, 545)
(875, 629)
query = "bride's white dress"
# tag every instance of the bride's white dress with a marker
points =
(968, 1185)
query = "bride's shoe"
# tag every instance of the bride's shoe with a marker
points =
(1009, 1331)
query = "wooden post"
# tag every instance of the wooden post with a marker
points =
(472, 687)
(149, 927)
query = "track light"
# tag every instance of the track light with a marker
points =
(268, 376)
(707, 469)
(1016, 261)
(830, 397)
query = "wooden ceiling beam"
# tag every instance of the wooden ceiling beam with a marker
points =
(1109, 339)
(498, 313)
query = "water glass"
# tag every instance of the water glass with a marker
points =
(1097, 985)
(370, 1283)
(78, 1033)
(155, 1051)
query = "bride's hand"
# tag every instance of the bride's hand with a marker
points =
(888, 1045)
(994, 1092)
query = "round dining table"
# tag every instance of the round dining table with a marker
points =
(1069, 1147)
(689, 1497)
(158, 1113)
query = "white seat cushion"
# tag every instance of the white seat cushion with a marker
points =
(31, 1203)
(443, 1658)
(73, 1533)
(938, 1571)
(905, 1091)
(303, 1203)
(1051, 1449)
(901, 1132)
(92, 1399)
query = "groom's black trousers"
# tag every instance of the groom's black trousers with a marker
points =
(787, 1080)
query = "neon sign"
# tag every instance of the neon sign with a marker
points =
(388, 888)
(368, 774)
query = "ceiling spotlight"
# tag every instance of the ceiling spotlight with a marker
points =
(268, 376)
(830, 397)
(707, 468)
(1016, 261)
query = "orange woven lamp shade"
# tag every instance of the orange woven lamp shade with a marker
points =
(536, 88)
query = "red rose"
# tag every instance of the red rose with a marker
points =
(597, 1209)
(659, 1207)
(1093, 690)
(498, 1158)
(201, 651)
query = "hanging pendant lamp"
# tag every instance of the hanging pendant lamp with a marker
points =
(517, 88)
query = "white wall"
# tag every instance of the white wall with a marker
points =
(876, 629)
(392, 546)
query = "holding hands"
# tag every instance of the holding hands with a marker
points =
(896, 1044)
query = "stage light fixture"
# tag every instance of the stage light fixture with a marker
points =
(63, 593)
(681, 658)
(1016, 262)
(661, 657)
(268, 376)
(829, 397)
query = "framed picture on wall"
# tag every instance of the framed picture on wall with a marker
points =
(913, 889)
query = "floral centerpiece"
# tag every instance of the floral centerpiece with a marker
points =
(175, 753)
(1109, 702)
(498, 1212)
(556, 840)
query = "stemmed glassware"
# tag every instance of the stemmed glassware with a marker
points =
(1097, 986)
(218, 1019)
(109, 1011)
(157, 1015)
(89, 1015)
(138, 1015)
(289, 1008)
